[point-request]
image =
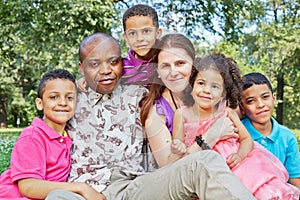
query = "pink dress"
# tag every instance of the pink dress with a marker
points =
(261, 172)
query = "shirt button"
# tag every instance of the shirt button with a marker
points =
(61, 140)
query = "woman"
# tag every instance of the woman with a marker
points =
(175, 55)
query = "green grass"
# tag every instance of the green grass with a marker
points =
(8, 139)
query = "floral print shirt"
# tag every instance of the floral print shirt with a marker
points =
(107, 134)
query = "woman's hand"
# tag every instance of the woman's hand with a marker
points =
(178, 147)
(222, 129)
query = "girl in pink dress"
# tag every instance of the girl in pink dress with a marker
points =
(217, 84)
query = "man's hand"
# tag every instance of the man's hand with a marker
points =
(81, 85)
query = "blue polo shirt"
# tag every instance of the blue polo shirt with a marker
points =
(281, 142)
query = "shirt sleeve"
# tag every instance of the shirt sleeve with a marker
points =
(293, 159)
(28, 159)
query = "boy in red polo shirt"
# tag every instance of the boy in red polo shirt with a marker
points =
(40, 160)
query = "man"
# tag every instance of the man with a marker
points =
(107, 136)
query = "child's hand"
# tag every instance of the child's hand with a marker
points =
(81, 85)
(233, 160)
(178, 147)
(232, 114)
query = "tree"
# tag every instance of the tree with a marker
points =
(37, 36)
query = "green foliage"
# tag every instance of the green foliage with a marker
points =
(37, 36)
(7, 141)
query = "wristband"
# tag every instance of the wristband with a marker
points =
(202, 144)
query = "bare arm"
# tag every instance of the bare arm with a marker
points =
(295, 182)
(246, 142)
(39, 189)
(159, 138)
(178, 147)
(178, 122)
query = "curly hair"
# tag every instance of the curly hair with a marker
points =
(140, 10)
(229, 72)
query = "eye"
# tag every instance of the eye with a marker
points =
(70, 98)
(94, 64)
(250, 101)
(115, 61)
(163, 67)
(180, 63)
(201, 83)
(131, 33)
(266, 96)
(53, 97)
(215, 86)
(147, 31)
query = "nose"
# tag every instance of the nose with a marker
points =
(105, 69)
(63, 101)
(260, 103)
(139, 36)
(206, 88)
(173, 71)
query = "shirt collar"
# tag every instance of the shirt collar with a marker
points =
(134, 60)
(256, 135)
(95, 97)
(52, 134)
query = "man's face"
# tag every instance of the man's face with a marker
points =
(102, 65)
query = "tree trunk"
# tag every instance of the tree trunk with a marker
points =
(3, 111)
(280, 86)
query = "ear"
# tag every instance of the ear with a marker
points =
(158, 33)
(241, 109)
(124, 37)
(39, 103)
(274, 98)
(80, 67)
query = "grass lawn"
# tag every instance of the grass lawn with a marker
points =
(8, 138)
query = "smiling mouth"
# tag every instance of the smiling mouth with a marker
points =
(205, 97)
(106, 81)
(142, 47)
(62, 111)
(178, 79)
(262, 112)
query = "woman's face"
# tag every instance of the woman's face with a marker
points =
(174, 68)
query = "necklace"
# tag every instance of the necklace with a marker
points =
(173, 99)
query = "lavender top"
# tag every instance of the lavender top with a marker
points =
(164, 108)
(137, 72)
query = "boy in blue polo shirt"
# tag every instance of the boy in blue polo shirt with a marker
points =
(258, 102)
